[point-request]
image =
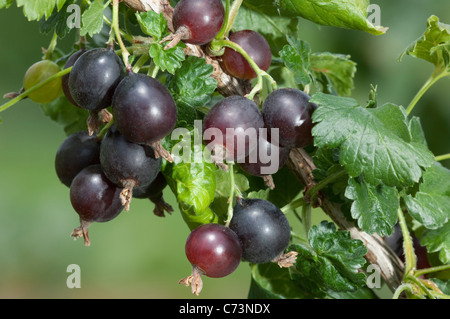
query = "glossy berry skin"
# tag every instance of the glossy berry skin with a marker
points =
(65, 78)
(238, 113)
(143, 109)
(262, 229)
(78, 151)
(124, 162)
(203, 19)
(94, 78)
(215, 249)
(256, 47)
(94, 197)
(39, 72)
(290, 111)
(265, 159)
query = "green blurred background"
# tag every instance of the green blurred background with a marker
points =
(139, 255)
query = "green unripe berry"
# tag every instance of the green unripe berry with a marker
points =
(39, 72)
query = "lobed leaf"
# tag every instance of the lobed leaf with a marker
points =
(92, 19)
(191, 86)
(430, 204)
(296, 57)
(338, 69)
(35, 10)
(433, 46)
(438, 240)
(152, 24)
(57, 21)
(375, 142)
(375, 207)
(332, 262)
(167, 60)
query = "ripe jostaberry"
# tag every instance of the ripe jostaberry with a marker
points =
(263, 231)
(78, 151)
(126, 164)
(213, 251)
(196, 21)
(265, 160)
(256, 47)
(65, 78)
(92, 82)
(290, 111)
(144, 111)
(95, 199)
(231, 129)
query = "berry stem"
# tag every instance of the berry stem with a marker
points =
(436, 76)
(231, 16)
(408, 248)
(140, 62)
(25, 93)
(299, 202)
(115, 29)
(442, 157)
(104, 129)
(49, 51)
(402, 288)
(430, 270)
(223, 29)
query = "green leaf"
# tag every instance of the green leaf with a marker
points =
(70, 117)
(92, 19)
(433, 46)
(269, 281)
(375, 142)
(167, 60)
(223, 182)
(194, 185)
(338, 69)
(192, 86)
(438, 240)
(5, 3)
(296, 57)
(430, 204)
(152, 24)
(444, 286)
(349, 14)
(56, 22)
(417, 133)
(192, 182)
(35, 10)
(375, 207)
(262, 17)
(332, 262)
